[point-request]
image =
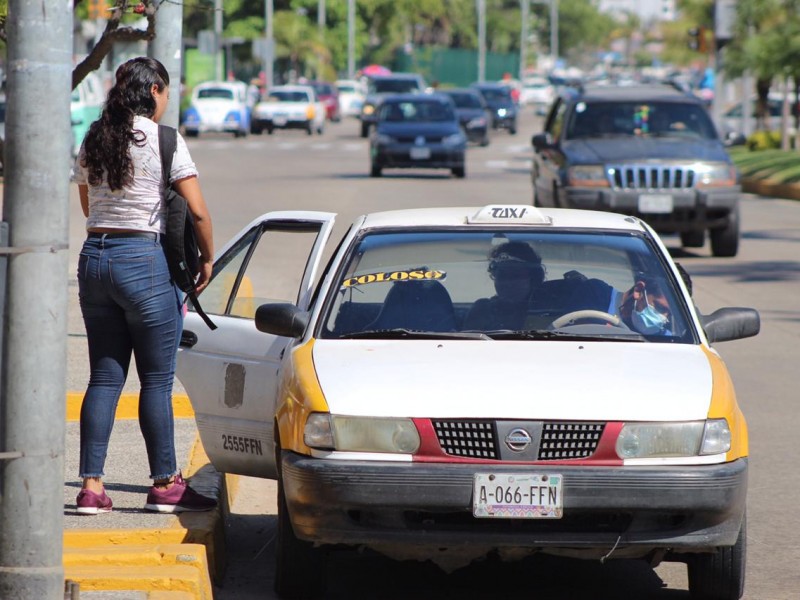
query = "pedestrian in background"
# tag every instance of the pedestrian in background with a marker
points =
(128, 301)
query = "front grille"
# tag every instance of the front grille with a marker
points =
(649, 177)
(562, 441)
(469, 439)
(478, 439)
(429, 139)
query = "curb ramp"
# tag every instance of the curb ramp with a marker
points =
(179, 559)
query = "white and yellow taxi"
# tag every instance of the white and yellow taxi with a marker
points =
(465, 381)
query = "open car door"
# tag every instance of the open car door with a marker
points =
(231, 373)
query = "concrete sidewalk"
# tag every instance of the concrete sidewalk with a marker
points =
(133, 554)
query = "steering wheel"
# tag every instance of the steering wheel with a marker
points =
(587, 314)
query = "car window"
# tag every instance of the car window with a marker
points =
(285, 96)
(395, 86)
(211, 93)
(496, 94)
(555, 122)
(412, 111)
(463, 100)
(663, 119)
(580, 271)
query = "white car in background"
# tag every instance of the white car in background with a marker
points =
(218, 106)
(351, 97)
(537, 92)
(289, 107)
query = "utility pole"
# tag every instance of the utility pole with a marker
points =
(34, 367)
(525, 6)
(481, 40)
(269, 50)
(167, 47)
(554, 30)
(321, 30)
(351, 39)
(218, 39)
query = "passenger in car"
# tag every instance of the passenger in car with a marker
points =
(516, 271)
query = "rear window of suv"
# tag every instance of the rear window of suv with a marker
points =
(651, 119)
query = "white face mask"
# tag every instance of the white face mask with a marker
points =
(648, 320)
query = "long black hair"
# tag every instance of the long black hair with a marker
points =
(106, 149)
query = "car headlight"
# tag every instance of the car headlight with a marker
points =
(587, 175)
(476, 122)
(361, 434)
(191, 116)
(383, 139)
(714, 174)
(669, 440)
(501, 112)
(310, 112)
(453, 140)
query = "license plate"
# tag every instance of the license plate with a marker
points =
(655, 203)
(518, 496)
(280, 121)
(420, 153)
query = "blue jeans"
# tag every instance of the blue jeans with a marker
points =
(129, 306)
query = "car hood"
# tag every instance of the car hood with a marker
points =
(639, 149)
(602, 381)
(415, 129)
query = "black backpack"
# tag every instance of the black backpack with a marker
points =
(180, 239)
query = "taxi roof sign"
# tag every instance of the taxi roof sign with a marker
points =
(510, 214)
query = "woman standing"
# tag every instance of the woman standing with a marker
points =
(128, 302)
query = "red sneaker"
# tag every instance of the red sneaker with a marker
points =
(178, 498)
(90, 503)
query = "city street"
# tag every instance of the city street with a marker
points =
(243, 178)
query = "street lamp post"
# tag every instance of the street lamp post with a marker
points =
(525, 7)
(351, 39)
(481, 7)
(269, 47)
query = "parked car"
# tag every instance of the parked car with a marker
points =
(391, 423)
(328, 95)
(218, 106)
(289, 107)
(501, 104)
(351, 97)
(649, 151)
(732, 122)
(378, 86)
(417, 131)
(473, 114)
(86, 104)
(537, 92)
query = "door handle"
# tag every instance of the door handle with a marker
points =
(188, 339)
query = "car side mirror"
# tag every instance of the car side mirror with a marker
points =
(731, 323)
(541, 141)
(735, 139)
(284, 319)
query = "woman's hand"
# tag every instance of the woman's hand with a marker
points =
(204, 277)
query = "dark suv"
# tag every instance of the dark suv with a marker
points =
(648, 151)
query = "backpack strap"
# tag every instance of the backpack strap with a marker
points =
(167, 144)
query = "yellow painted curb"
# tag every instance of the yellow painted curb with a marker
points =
(153, 557)
(176, 578)
(169, 596)
(128, 407)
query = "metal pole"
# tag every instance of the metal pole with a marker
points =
(218, 38)
(33, 372)
(481, 40)
(554, 30)
(166, 47)
(269, 51)
(321, 30)
(525, 6)
(351, 39)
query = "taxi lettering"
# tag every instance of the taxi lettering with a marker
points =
(508, 212)
(393, 276)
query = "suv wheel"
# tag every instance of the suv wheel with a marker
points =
(693, 239)
(720, 576)
(725, 240)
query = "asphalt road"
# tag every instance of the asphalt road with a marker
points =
(244, 178)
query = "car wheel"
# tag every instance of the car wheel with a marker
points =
(459, 172)
(310, 128)
(256, 130)
(192, 133)
(485, 141)
(270, 130)
(720, 576)
(725, 240)
(364, 130)
(320, 129)
(693, 239)
(375, 171)
(299, 566)
(513, 129)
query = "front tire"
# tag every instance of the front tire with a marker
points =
(364, 130)
(299, 566)
(459, 172)
(720, 576)
(693, 239)
(725, 240)
(375, 171)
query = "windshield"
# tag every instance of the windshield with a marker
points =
(393, 86)
(496, 94)
(463, 100)
(416, 111)
(647, 119)
(210, 93)
(506, 285)
(288, 97)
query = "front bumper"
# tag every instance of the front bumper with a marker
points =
(399, 156)
(281, 123)
(212, 126)
(373, 503)
(693, 209)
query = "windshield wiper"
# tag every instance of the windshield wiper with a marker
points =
(546, 334)
(400, 333)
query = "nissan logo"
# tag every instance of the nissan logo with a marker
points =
(518, 439)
